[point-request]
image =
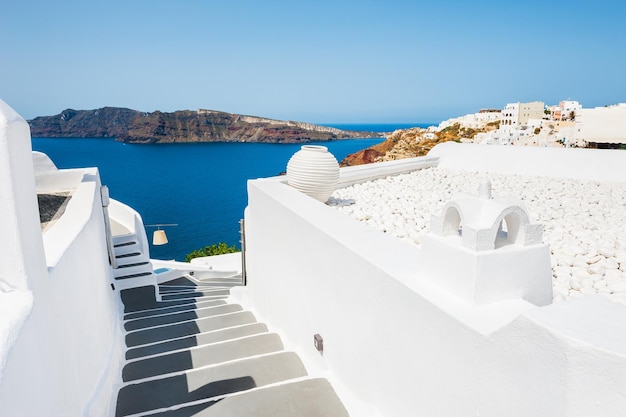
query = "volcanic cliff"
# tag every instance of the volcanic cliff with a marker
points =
(413, 142)
(132, 126)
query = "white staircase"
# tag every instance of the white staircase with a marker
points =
(195, 354)
(133, 267)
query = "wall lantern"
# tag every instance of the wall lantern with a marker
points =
(159, 237)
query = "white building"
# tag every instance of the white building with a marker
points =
(516, 115)
(602, 125)
(568, 110)
(473, 120)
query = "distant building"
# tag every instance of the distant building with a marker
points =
(517, 114)
(473, 120)
(565, 110)
(602, 127)
(569, 109)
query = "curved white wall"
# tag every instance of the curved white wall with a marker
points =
(21, 250)
(66, 354)
(71, 343)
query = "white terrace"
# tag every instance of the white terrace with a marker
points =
(336, 318)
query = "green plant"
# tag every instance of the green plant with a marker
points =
(214, 249)
(537, 130)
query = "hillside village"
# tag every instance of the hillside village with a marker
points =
(567, 124)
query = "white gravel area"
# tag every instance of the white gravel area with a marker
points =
(584, 222)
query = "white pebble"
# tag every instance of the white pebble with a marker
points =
(584, 222)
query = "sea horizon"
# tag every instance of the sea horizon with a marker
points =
(377, 127)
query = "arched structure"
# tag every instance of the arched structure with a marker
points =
(478, 221)
(485, 249)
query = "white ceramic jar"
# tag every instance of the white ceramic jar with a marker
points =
(314, 171)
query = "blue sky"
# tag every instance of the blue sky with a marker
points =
(338, 61)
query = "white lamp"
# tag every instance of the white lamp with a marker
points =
(159, 237)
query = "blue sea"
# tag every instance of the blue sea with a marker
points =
(201, 187)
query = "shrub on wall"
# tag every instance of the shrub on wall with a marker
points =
(214, 249)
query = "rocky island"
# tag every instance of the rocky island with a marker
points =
(185, 126)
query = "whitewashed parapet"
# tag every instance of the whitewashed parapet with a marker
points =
(485, 249)
(50, 179)
(369, 172)
(22, 256)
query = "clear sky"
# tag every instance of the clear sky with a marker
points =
(322, 61)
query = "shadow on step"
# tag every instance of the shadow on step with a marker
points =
(188, 328)
(136, 398)
(197, 340)
(208, 382)
(308, 398)
(176, 317)
(195, 294)
(202, 356)
(143, 298)
(189, 283)
(174, 309)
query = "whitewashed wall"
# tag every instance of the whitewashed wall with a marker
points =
(577, 163)
(396, 344)
(21, 249)
(66, 356)
(69, 350)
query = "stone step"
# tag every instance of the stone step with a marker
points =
(197, 340)
(127, 250)
(128, 255)
(126, 240)
(135, 268)
(153, 306)
(164, 292)
(195, 294)
(208, 382)
(188, 328)
(192, 281)
(136, 275)
(202, 356)
(172, 318)
(130, 265)
(126, 243)
(174, 309)
(182, 281)
(306, 398)
(143, 298)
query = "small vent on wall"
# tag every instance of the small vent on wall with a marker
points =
(318, 342)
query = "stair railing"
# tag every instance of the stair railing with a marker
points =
(242, 241)
(104, 195)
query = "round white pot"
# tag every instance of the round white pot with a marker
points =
(314, 171)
